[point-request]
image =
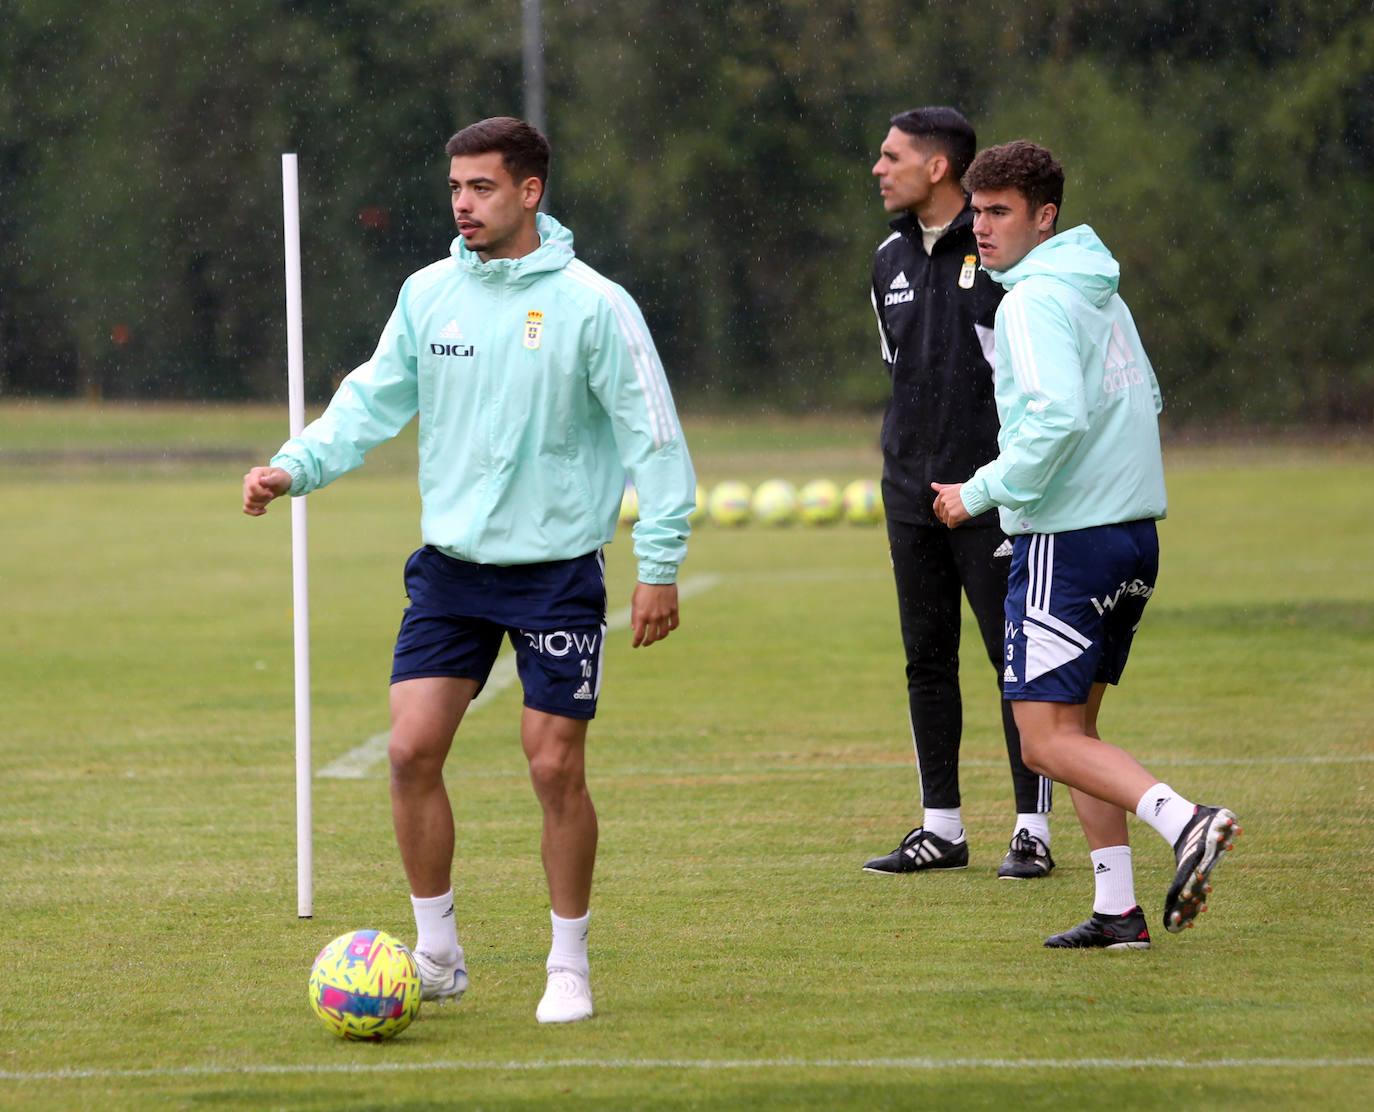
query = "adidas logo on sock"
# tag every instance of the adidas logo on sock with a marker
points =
(447, 914)
(1159, 804)
(1101, 868)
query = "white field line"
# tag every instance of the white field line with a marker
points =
(690, 1064)
(358, 761)
(726, 772)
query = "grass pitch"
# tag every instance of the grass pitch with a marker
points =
(743, 771)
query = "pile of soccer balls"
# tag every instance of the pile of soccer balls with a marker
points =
(777, 502)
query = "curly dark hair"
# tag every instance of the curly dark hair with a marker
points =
(1021, 165)
(523, 148)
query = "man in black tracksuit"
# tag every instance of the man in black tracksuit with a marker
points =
(935, 311)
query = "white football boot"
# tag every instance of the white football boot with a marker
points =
(567, 998)
(441, 981)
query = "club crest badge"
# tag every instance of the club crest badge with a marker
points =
(534, 328)
(968, 272)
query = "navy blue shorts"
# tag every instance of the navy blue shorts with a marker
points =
(554, 614)
(1074, 602)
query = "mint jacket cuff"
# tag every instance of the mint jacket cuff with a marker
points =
(657, 574)
(293, 468)
(974, 495)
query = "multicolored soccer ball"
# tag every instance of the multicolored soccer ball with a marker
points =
(819, 502)
(775, 502)
(729, 503)
(364, 986)
(863, 502)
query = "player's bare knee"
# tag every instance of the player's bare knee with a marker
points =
(557, 773)
(414, 757)
(1035, 752)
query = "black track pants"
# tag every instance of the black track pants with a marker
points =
(933, 566)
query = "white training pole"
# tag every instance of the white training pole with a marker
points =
(300, 598)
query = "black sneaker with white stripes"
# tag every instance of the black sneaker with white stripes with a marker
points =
(921, 850)
(1105, 932)
(1197, 851)
(1027, 859)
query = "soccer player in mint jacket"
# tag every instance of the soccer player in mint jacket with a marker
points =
(537, 389)
(1078, 483)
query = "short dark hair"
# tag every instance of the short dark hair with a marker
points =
(1021, 165)
(523, 148)
(945, 128)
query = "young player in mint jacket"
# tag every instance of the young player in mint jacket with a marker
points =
(1077, 448)
(1079, 483)
(537, 389)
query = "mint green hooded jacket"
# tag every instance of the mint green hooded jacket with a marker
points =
(538, 388)
(1076, 395)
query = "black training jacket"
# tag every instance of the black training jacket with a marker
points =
(935, 322)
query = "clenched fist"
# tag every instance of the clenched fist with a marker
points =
(261, 485)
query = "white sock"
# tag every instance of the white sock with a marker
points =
(1165, 810)
(569, 949)
(1114, 880)
(944, 822)
(438, 930)
(1037, 826)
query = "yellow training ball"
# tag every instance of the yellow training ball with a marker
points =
(729, 503)
(700, 511)
(629, 506)
(819, 502)
(775, 502)
(863, 502)
(364, 985)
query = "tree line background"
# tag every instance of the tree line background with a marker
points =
(713, 157)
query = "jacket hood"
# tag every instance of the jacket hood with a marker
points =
(1075, 257)
(555, 251)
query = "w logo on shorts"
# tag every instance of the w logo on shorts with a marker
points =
(1062, 635)
(561, 642)
(554, 615)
